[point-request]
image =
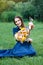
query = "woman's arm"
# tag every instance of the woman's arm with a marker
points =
(18, 36)
(31, 25)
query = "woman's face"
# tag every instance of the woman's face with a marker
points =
(18, 22)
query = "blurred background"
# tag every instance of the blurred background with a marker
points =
(24, 8)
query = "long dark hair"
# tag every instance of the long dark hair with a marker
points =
(22, 25)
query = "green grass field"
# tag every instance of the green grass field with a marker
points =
(7, 41)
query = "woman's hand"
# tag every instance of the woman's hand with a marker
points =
(16, 36)
(31, 25)
(29, 40)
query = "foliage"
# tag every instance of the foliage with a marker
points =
(8, 16)
(26, 9)
(3, 5)
(31, 8)
(39, 6)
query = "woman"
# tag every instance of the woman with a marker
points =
(19, 50)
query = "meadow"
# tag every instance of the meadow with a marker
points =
(7, 41)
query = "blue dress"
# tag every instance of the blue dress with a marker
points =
(19, 49)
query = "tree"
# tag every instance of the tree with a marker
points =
(39, 6)
(20, 0)
(3, 5)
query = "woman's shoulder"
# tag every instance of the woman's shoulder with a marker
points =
(15, 29)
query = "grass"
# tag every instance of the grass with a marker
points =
(7, 41)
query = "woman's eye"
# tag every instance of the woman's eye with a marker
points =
(18, 20)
